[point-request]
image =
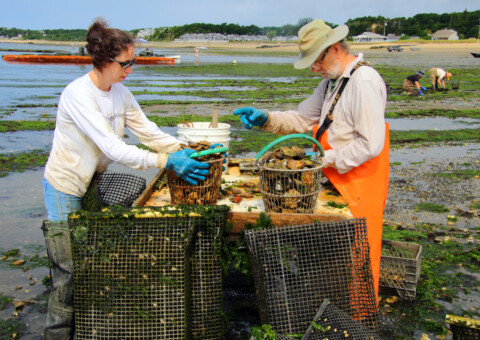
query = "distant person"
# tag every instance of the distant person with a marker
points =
(92, 114)
(196, 55)
(411, 85)
(437, 77)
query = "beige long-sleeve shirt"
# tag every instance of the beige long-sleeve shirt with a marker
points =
(88, 136)
(357, 133)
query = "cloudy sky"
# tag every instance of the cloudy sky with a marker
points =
(131, 14)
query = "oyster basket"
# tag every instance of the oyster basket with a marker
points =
(290, 191)
(463, 328)
(400, 266)
(206, 192)
(295, 268)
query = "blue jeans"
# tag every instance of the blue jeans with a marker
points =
(59, 204)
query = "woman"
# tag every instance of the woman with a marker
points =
(92, 113)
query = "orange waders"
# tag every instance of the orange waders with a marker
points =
(365, 190)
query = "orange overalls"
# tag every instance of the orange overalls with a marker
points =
(365, 190)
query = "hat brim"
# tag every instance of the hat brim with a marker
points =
(307, 59)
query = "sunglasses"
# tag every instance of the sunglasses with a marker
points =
(124, 64)
(316, 62)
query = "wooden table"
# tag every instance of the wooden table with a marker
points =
(249, 209)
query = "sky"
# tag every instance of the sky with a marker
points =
(135, 14)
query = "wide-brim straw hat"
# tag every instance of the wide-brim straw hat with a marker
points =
(449, 75)
(315, 37)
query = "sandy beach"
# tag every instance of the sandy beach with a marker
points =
(438, 46)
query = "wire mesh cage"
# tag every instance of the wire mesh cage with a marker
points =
(332, 323)
(289, 182)
(295, 268)
(400, 267)
(290, 191)
(206, 276)
(132, 274)
(206, 192)
(112, 188)
(463, 328)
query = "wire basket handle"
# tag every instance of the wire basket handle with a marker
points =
(292, 136)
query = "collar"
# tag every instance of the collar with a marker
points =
(348, 69)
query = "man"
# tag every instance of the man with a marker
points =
(437, 77)
(356, 143)
(411, 85)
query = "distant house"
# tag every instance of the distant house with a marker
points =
(445, 34)
(369, 37)
(393, 37)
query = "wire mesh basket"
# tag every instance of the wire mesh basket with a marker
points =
(111, 188)
(400, 267)
(463, 328)
(295, 268)
(332, 323)
(206, 192)
(206, 276)
(289, 190)
(132, 275)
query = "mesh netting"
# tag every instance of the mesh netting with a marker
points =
(295, 268)
(334, 324)
(112, 189)
(206, 279)
(400, 267)
(290, 191)
(132, 277)
(206, 192)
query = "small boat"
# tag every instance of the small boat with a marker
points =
(415, 48)
(475, 55)
(81, 60)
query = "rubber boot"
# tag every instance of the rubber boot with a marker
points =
(59, 324)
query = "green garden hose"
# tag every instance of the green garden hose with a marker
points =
(284, 138)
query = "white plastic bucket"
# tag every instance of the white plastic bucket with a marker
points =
(199, 131)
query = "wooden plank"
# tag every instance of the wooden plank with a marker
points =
(143, 198)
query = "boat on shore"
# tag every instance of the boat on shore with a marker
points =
(78, 59)
(475, 55)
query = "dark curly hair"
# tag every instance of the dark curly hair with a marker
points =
(104, 43)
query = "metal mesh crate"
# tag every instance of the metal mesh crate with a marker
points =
(132, 274)
(295, 268)
(205, 192)
(400, 267)
(206, 276)
(463, 328)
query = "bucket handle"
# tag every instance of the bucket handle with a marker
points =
(292, 136)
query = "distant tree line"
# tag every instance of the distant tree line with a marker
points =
(465, 23)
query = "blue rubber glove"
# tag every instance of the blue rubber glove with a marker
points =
(423, 88)
(420, 92)
(251, 116)
(224, 154)
(187, 168)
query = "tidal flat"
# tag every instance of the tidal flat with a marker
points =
(434, 194)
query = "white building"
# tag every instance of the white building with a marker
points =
(445, 34)
(369, 37)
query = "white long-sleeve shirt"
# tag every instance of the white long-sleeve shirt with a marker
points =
(357, 133)
(88, 135)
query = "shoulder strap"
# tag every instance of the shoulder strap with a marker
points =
(329, 119)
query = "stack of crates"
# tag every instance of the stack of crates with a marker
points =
(400, 267)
